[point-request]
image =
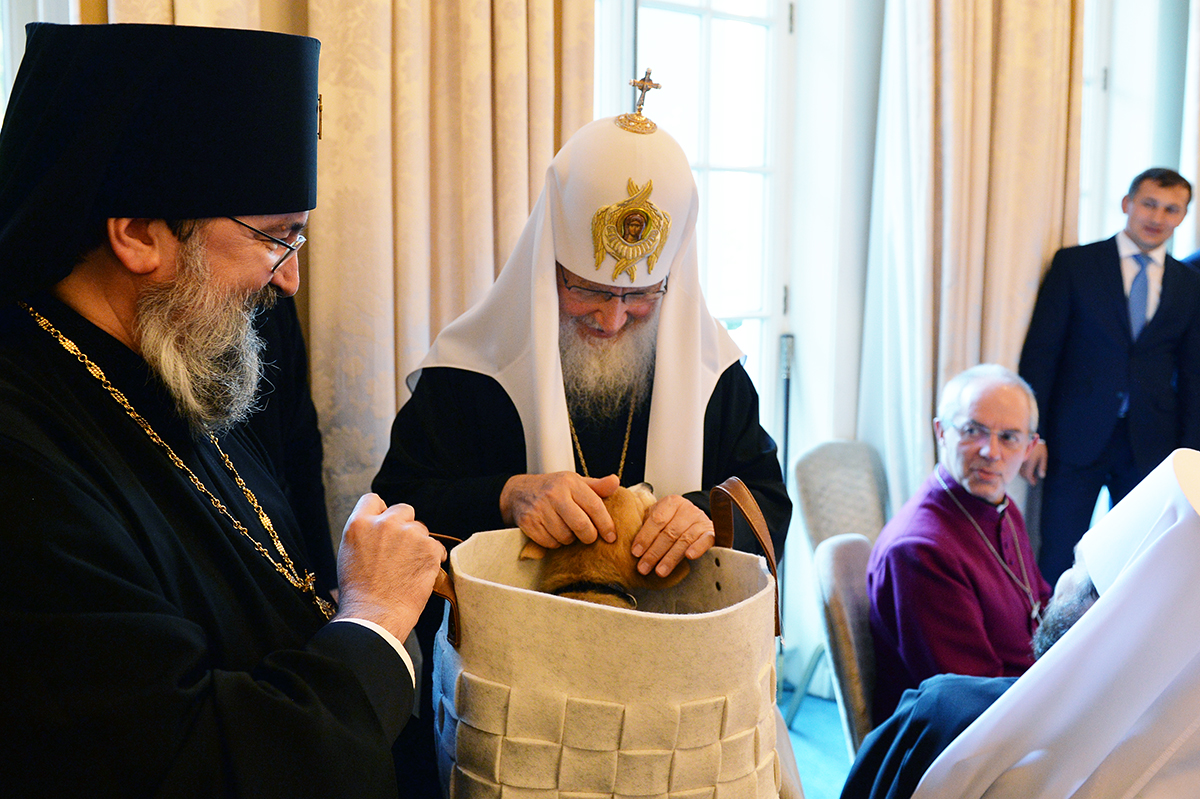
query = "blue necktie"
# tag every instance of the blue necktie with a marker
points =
(1137, 295)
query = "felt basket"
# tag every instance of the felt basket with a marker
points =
(544, 696)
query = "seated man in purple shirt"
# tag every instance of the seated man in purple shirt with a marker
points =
(953, 582)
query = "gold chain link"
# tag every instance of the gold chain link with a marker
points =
(624, 447)
(287, 568)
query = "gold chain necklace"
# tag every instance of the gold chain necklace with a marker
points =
(1026, 586)
(624, 447)
(286, 568)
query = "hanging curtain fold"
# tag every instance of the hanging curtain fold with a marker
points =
(976, 176)
(439, 120)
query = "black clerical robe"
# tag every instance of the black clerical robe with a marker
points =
(459, 438)
(286, 425)
(898, 752)
(151, 650)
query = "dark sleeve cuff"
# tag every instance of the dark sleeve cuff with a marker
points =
(381, 671)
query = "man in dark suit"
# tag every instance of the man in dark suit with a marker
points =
(1113, 355)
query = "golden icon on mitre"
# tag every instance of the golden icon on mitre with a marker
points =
(631, 230)
(634, 228)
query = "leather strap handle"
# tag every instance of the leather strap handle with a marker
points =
(721, 501)
(443, 586)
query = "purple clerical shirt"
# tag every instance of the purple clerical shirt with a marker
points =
(940, 599)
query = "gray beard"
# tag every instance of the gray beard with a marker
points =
(199, 338)
(1061, 614)
(602, 378)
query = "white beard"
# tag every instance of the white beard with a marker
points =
(199, 338)
(602, 377)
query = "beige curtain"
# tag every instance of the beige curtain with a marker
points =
(975, 188)
(214, 13)
(439, 120)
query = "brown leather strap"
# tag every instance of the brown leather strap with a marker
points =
(443, 586)
(721, 501)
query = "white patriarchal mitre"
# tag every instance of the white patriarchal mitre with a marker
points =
(1113, 708)
(608, 176)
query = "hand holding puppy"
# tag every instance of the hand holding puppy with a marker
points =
(674, 529)
(558, 508)
(605, 572)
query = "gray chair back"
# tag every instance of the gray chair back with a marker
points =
(842, 489)
(840, 564)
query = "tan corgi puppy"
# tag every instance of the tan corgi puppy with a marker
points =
(601, 572)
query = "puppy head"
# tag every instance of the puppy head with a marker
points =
(602, 572)
(628, 508)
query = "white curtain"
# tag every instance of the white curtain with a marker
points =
(975, 188)
(439, 120)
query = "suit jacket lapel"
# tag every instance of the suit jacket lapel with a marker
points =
(1111, 293)
(1169, 300)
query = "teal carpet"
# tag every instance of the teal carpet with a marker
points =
(820, 746)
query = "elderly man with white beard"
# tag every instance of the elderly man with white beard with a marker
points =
(165, 633)
(593, 361)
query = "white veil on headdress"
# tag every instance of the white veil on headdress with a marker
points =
(1113, 708)
(512, 333)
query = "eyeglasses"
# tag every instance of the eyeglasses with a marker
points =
(290, 248)
(636, 299)
(975, 433)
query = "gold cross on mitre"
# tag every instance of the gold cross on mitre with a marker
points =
(644, 85)
(635, 122)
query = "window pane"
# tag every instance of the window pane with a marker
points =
(669, 44)
(733, 230)
(737, 115)
(714, 59)
(745, 8)
(747, 334)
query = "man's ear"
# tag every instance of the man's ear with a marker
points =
(1033, 440)
(141, 245)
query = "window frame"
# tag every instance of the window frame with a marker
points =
(616, 37)
(1135, 93)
